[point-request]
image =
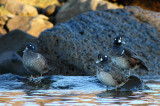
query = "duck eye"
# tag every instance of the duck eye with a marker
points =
(119, 41)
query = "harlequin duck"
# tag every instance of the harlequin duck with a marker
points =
(107, 76)
(34, 62)
(125, 58)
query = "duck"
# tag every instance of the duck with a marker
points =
(125, 58)
(108, 76)
(34, 62)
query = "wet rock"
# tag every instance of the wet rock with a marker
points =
(72, 8)
(134, 83)
(147, 16)
(75, 45)
(32, 25)
(10, 62)
(15, 41)
(10, 81)
(18, 8)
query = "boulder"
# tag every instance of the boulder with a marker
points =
(10, 62)
(50, 10)
(15, 41)
(3, 20)
(152, 5)
(31, 25)
(2, 30)
(74, 46)
(18, 8)
(147, 16)
(74, 7)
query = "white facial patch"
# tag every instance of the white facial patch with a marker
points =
(106, 56)
(119, 40)
(101, 59)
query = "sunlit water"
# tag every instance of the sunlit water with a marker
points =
(89, 94)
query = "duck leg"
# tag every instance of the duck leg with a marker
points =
(116, 88)
(107, 88)
(39, 79)
(31, 78)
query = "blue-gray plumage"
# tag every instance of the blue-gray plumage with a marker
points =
(125, 58)
(34, 62)
(108, 76)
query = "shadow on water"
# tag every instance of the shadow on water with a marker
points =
(114, 94)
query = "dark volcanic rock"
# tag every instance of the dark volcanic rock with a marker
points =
(15, 41)
(12, 43)
(74, 45)
(10, 62)
(147, 16)
(152, 5)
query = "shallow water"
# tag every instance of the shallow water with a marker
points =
(74, 90)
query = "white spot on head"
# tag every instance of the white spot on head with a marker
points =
(101, 59)
(119, 40)
(106, 56)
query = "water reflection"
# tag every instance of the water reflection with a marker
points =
(72, 97)
(114, 94)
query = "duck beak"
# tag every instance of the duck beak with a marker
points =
(123, 42)
(25, 50)
(97, 61)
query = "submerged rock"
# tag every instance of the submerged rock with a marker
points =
(73, 47)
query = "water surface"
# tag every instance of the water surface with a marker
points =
(74, 90)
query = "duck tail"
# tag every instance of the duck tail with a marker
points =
(143, 66)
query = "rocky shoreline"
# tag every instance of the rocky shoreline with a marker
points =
(71, 47)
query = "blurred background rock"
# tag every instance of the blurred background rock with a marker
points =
(22, 21)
